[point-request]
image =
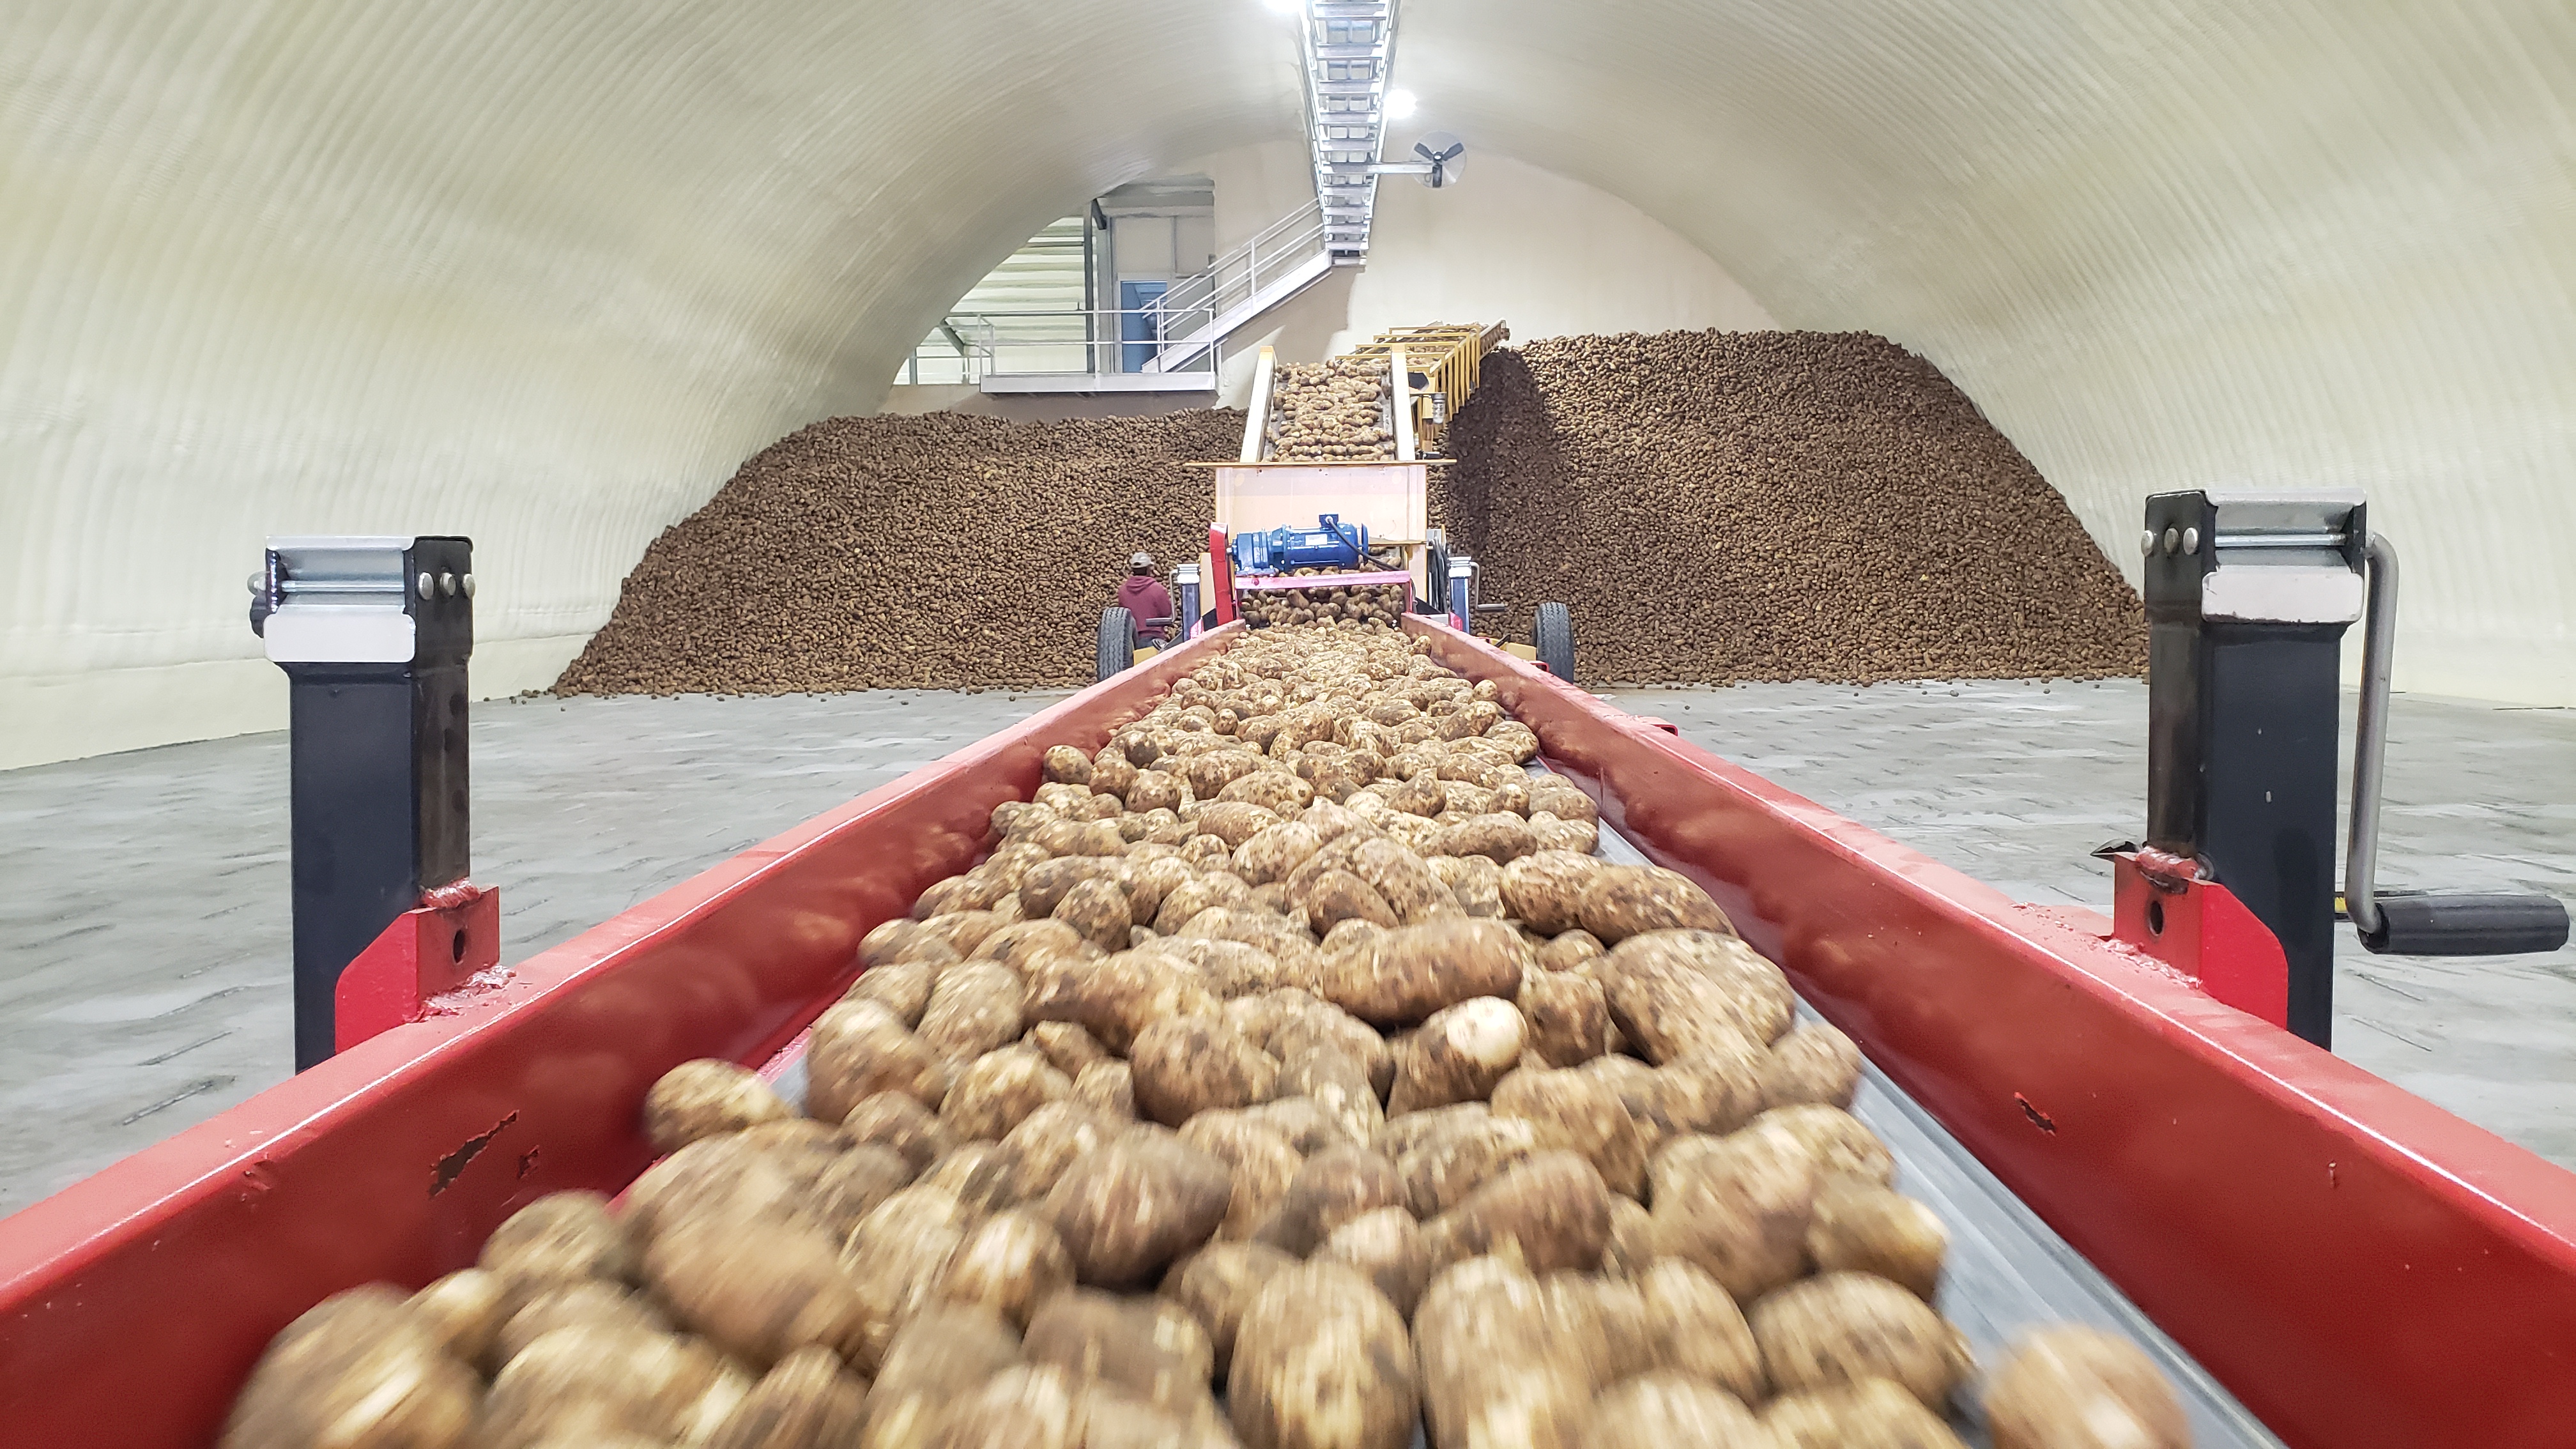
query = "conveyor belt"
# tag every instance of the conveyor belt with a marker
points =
(2007, 1271)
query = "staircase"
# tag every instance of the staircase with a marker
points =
(1200, 312)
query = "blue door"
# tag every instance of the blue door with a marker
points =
(1135, 324)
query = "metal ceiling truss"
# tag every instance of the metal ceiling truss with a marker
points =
(1349, 46)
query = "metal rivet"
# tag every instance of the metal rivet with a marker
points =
(447, 585)
(469, 586)
(2147, 543)
(259, 583)
(2191, 540)
(2173, 539)
(426, 583)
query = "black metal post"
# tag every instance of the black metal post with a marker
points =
(377, 742)
(2248, 596)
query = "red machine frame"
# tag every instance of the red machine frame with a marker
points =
(2356, 1265)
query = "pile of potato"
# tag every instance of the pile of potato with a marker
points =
(1334, 411)
(1296, 1044)
(1340, 606)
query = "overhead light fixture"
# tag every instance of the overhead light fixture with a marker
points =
(1399, 105)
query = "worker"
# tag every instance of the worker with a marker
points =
(1144, 596)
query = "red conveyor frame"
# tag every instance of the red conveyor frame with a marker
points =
(2356, 1265)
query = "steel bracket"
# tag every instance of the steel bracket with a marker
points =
(434, 948)
(2199, 928)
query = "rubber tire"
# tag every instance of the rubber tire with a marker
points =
(1554, 636)
(1117, 643)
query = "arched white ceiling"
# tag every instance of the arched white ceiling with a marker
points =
(545, 272)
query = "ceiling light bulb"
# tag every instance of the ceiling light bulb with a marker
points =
(1399, 104)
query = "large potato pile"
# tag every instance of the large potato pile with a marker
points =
(1719, 507)
(937, 552)
(1296, 1044)
(1338, 605)
(1335, 411)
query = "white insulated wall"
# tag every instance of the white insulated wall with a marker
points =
(544, 273)
(2272, 243)
(541, 273)
(1510, 243)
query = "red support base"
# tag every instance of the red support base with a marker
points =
(428, 951)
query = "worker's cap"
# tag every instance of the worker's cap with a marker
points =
(1140, 560)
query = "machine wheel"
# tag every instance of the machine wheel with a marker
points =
(1554, 637)
(1435, 574)
(1117, 643)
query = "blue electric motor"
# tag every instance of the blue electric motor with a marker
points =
(1328, 545)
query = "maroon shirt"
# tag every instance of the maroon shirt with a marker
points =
(1144, 596)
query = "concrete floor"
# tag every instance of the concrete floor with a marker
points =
(146, 941)
(147, 937)
(2015, 783)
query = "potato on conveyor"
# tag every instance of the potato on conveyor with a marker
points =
(1128, 1210)
(1185, 1065)
(1027, 1407)
(1543, 889)
(1568, 950)
(359, 1369)
(466, 1310)
(1873, 1415)
(1861, 1227)
(563, 1237)
(943, 1354)
(1109, 1086)
(859, 1049)
(1386, 1244)
(1216, 1283)
(591, 1301)
(1322, 1361)
(1260, 1161)
(759, 1291)
(997, 1091)
(901, 987)
(975, 1007)
(1845, 1328)
(1338, 1084)
(1813, 1064)
(1450, 1152)
(1010, 1263)
(898, 1122)
(1152, 1348)
(1579, 1112)
(597, 1381)
(1695, 1327)
(806, 1401)
(1321, 1027)
(1840, 1144)
(1497, 1366)
(2081, 1388)
(1404, 976)
(1629, 900)
(897, 1258)
(1551, 1211)
(1457, 1055)
(1632, 1249)
(1671, 1411)
(1330, 1188)
(705, 1098)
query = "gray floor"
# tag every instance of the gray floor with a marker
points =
(2015, 783)
(145, 934)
